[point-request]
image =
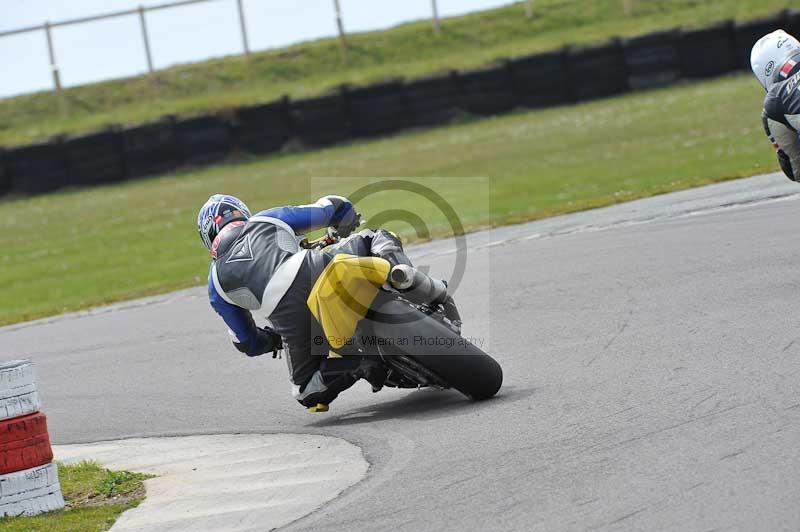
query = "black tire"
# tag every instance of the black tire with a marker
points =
(455, 360)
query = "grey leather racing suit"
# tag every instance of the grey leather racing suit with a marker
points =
(782, 122)
(260, 267)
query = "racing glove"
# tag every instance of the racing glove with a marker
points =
(264, 341)
(345, 218)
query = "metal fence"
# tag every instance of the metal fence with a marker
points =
(141, 13)
(47, 28)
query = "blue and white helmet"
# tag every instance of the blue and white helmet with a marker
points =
(218, 212)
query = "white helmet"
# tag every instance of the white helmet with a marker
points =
(771, 55)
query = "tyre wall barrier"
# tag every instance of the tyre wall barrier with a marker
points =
(28, 478)
(204, 139)
(37, 168)
(30, 492)
(432, 100)
(487, 91)
(540, 80)
(320, 121)
(18, 394)
(95, 158)
(151, 148)
(597, 72)
(793, 21)
(5, 186)
(378, 109)
(24, 443)
(708, 52)
(652, 60)
(262, 128)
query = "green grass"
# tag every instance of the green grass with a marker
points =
(74, 249)
(409, 50)
(95, 497)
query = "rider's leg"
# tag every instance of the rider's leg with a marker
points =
(327, 382)
(335, 375)
(316, 379)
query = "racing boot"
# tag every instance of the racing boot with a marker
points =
(338, 374)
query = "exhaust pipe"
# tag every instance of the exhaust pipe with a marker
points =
(417, 286)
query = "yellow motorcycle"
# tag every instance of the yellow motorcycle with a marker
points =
(360, 310)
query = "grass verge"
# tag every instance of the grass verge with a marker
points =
(95, 497)
(408, 50)
(80, 248)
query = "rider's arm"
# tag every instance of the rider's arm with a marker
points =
(783, 137)
(246, 337)
(328, 211)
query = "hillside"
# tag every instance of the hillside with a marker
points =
(409, 50)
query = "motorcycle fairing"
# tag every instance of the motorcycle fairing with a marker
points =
(343, 294)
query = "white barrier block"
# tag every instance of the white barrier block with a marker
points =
(20, 405)
(30, 492)
(35, 505)
(16, 374)
(18, 395)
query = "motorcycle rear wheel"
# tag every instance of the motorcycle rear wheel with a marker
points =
(402, 329)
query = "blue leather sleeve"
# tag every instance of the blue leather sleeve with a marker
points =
(304, 218)
(238, 320)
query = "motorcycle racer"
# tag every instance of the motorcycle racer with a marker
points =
(775, 60)
(259, 265)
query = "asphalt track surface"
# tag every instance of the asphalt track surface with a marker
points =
(652, 378)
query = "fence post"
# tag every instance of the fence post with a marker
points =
(340, 26)
(54, 68)
(529, 9)
(53, 64)
(437, 27)
(243, 25)
(146, 40)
